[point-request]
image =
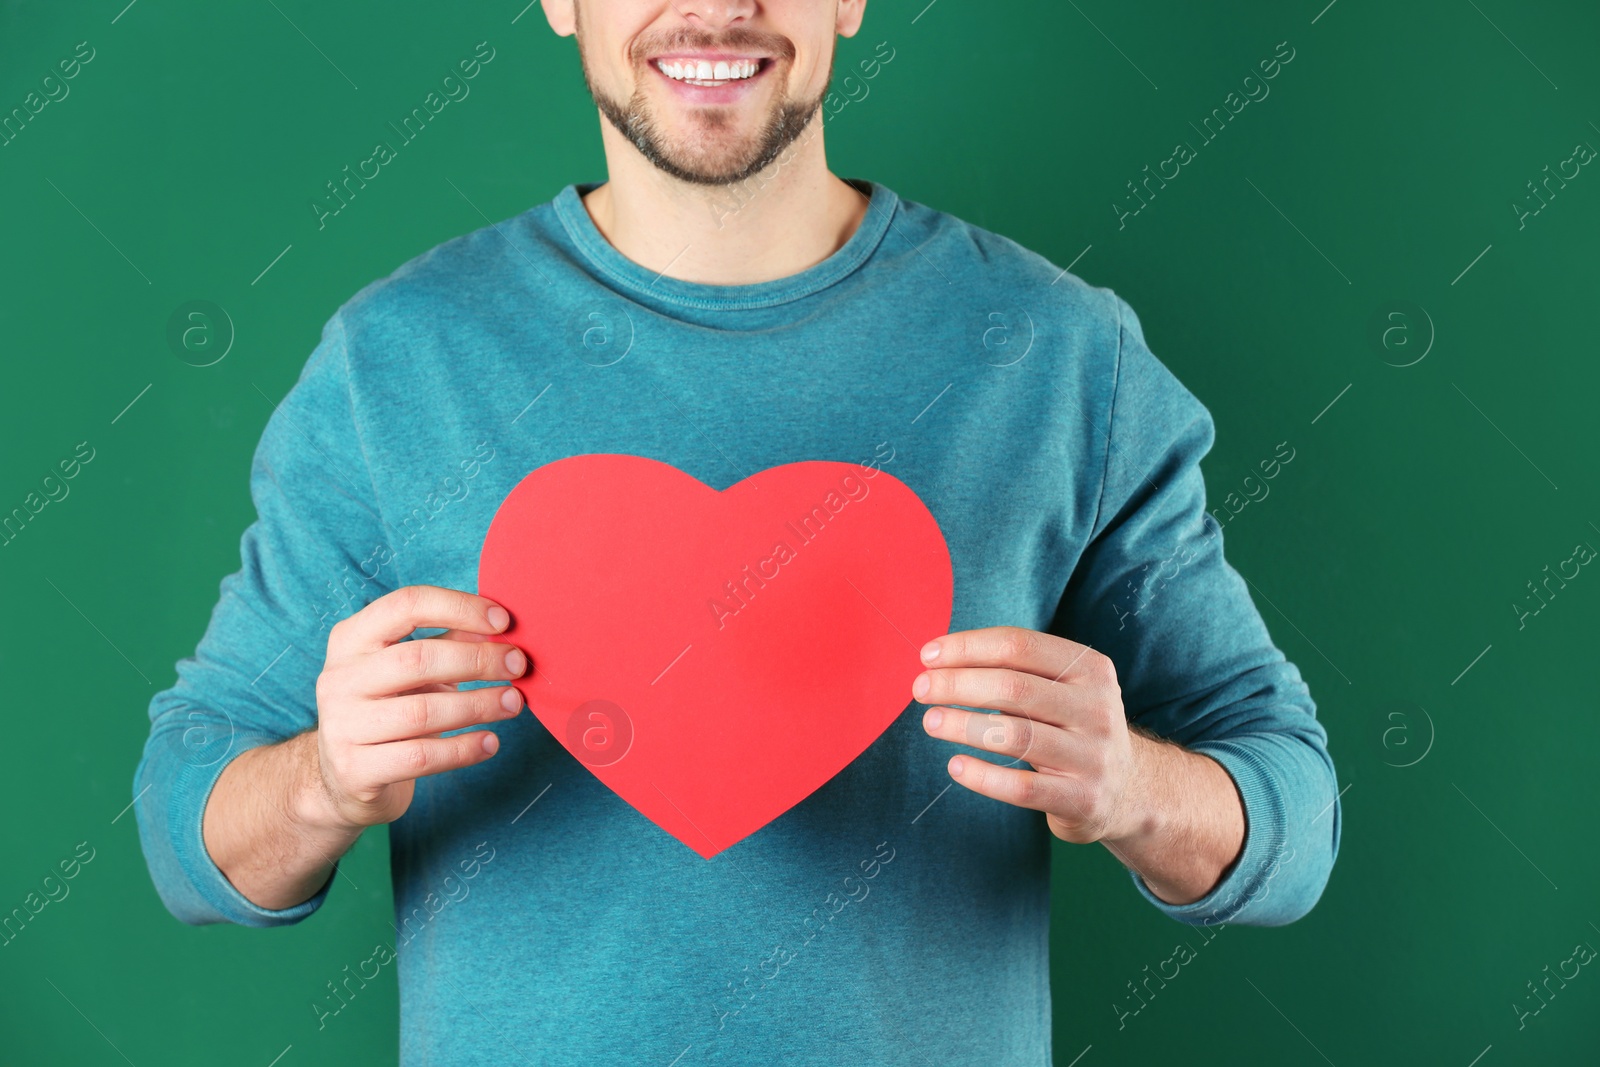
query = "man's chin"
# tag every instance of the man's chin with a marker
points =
(718, 170)
(721, 152)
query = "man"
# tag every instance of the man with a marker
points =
(724, 304)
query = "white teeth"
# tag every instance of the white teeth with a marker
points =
(705, 71)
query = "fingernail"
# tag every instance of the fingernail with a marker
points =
(490, 742)
(499, 617)
(511, 700)
(930, 651)
(919, 688)
(516, 662)
(932, 720)
(957, 766)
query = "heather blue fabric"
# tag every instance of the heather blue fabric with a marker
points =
(886, 915)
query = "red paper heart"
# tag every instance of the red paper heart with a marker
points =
(713, 721)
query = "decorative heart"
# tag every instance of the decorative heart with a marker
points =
(715, 657)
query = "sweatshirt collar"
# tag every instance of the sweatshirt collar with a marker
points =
(626, 274)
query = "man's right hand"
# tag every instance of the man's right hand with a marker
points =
(383, 701)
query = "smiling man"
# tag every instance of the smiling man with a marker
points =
(1107, 678)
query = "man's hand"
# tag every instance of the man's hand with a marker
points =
(1172, 815)
(382, 701)
(281, 815)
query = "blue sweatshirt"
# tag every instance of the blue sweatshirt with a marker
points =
(541, 919)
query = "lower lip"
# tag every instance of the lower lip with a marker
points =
(729, 92)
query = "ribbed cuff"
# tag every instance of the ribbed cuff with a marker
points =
(191, 788)
(1264, 842)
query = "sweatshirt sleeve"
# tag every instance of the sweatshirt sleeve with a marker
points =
(252, 678)
(1193, 657)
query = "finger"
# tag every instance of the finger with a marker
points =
(411, 664)
(1045, 655)
(1013, 785)
(415, 715)
(1006, 690)
(1040, 744)
(448, 635)
(402, 761)
(393, 616)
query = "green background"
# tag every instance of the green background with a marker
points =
(1386, 559)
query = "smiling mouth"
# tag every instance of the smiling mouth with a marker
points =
(711, 72)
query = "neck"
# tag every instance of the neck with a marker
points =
(786, 218)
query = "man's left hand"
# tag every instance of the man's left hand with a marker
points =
(1060, 710)
(1173, 816)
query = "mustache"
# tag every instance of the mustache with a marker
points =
(739, 39)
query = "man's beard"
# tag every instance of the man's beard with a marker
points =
(636, 122)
